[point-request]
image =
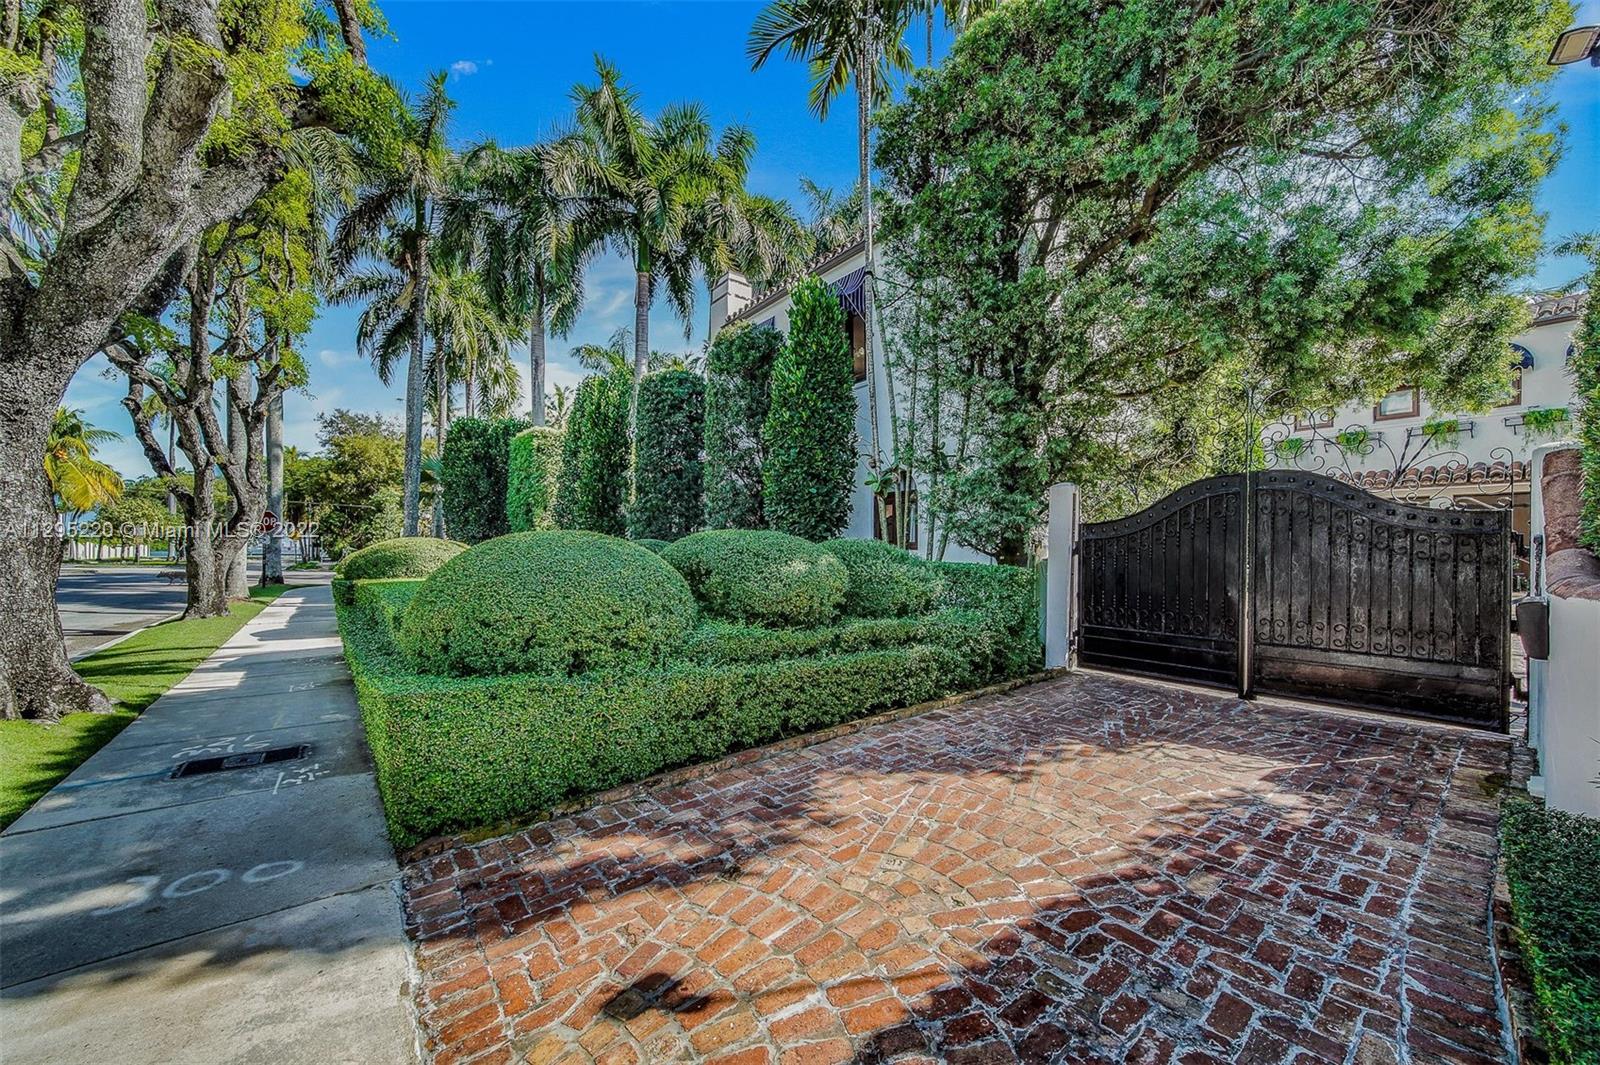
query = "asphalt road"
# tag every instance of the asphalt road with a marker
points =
(100, 603)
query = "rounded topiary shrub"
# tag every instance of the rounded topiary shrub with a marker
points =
(404, 556)
(554, 602)
(655, 545)
(759, 576)
(885, 581)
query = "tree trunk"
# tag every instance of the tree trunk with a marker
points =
(416, 384)
(643, 293)
(272, 550)
(863, 118)
(236, 578)
(441, 427)
(36, 679)
(536, 360)
(350, 29)
(206, 579)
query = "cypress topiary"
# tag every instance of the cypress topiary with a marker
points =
(668, 475)
(810, 436)
(738, 392)
(476, 457)
(592, 488)
(532, 472)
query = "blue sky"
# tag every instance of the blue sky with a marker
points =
(512, 63)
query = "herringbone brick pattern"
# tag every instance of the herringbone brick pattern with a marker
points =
(1084, 870)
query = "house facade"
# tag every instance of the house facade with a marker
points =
(1400, 447)
(845, 271)
(1404, 448)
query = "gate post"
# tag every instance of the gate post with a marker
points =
(1060, 583)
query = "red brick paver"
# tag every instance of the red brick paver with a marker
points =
(1083, 870)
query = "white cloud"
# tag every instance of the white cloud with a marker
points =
(463, 68)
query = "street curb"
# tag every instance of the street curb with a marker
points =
(124, 637)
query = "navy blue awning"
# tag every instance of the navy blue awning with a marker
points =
(1521, 357)
(852, 291)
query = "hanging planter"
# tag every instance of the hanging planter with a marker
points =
(1442, 432)
(1357, 440)
(1291, 447)
(1545, 423)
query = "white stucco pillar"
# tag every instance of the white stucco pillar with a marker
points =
(1061, 559)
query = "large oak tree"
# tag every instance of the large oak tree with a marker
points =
(1126, 221)
(188, 111)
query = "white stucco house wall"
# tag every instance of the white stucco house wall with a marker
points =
(1489, 460)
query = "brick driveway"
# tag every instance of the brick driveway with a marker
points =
(1083, 870)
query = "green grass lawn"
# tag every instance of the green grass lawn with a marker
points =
(134, 673)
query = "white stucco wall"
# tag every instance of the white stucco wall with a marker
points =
(1569, 758)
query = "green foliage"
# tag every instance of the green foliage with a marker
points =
(1544, 422)
(810, 435)
(738, 396)
(595, 457)
(1116, 221)
(760, 576)
(555, 602)
(404, 556)
(532, 474)
(668, 475)
(657, 546)
(1586, 385)
(1355, 440)
(1442, 432)
(454, 753)
(352, 489)
(477, 454)
(885, 581)
(1009, 596)
(1551, 858)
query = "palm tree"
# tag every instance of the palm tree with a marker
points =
(671, 196)
(557, 405)
(516, 207)
(394, 216)
(79, 481)
(834, 221)
(608, 359)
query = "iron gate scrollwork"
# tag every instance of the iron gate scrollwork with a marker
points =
(1346, 597)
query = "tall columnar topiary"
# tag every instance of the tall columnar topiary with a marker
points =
(476, 456)
(738, 392)
(810, 433)
(592, 489)
(668, 472)
(533, 470)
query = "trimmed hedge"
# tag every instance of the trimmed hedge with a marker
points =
(760, 576)
(404, 556)
(1009, 596)
(810, 431)
(1551, 858)
(657, 546)
(533, 470)
(476, 457)
(596, 456)
(456, 753)
(555, 602)
(738, 395)
(885, 581)
(668, 475)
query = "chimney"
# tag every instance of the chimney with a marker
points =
(730, 294)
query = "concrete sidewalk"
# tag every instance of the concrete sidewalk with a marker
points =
(236, 913)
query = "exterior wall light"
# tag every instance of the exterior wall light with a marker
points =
(1576, 45)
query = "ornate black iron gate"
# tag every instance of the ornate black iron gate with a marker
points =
(1347, 596)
